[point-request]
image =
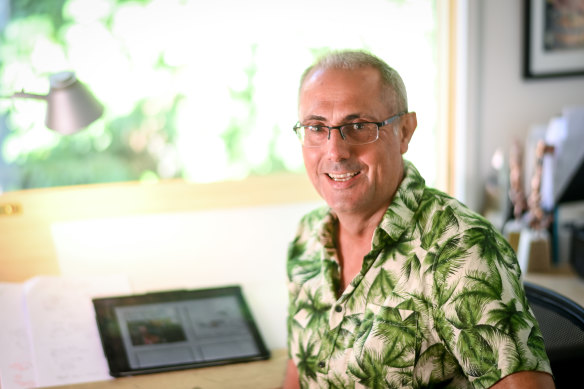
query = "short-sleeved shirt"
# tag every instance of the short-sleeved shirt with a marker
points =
(438, 301)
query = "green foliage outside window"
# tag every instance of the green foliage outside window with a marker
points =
(192, 89)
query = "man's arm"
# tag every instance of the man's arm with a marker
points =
(527, 380)
(291, 381)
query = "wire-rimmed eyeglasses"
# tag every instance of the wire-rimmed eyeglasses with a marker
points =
(352, 133)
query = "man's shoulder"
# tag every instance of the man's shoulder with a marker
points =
(440, 201)
(440, 214)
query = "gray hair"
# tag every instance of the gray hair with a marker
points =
(354, 59)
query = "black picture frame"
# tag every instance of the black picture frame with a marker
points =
(550, 48)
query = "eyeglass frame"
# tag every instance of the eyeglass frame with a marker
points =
(387, 121)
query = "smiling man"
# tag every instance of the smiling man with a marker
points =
(395, 284)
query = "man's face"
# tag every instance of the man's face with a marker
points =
(354, 179)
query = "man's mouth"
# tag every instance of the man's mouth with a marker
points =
(342, 177)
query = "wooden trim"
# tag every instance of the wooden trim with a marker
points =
(447, 14)
(250, 375)
(128, 198)
(452, 87)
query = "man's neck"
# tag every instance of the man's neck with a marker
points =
(356, 226)
(353, 241)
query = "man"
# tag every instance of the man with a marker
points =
(395, 284)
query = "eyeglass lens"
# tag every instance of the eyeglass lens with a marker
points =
(355, 133)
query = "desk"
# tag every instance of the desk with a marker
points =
(569, 285)
(267, 374)
(270, 374)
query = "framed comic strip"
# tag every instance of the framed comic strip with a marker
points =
(554, 38)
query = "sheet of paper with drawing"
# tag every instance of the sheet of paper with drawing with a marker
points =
(49, 333)
(177, 329)
(16, 368)
(63, 331)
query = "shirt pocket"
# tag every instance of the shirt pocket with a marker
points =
(385, 347)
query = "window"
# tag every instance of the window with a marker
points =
(201, 90)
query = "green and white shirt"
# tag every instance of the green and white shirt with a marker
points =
(438, 301)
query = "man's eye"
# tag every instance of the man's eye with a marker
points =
(314, 128)
(358, 126)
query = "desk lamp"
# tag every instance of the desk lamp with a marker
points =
(70, 105)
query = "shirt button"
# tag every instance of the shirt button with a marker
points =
(338, 308)
(321, 364)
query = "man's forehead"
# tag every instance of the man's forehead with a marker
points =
(328, 87)
(322, 75)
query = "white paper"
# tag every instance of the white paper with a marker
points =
(66, 346)
(571, 154)
(16, 368)
(555, 136)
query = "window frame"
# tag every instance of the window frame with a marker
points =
(26, 216)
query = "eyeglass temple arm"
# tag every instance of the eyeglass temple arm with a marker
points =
(391, 119)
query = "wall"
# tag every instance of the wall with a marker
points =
(189, 250)
(499, 105)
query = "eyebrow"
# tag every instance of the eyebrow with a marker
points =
(345, 119)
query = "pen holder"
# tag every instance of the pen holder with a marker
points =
(533, 252)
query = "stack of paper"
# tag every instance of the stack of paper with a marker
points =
(48, 335)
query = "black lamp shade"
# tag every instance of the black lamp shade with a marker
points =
(71, 107)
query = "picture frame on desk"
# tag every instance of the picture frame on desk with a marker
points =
(553, 39)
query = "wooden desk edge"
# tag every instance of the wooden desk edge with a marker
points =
(267, 374)
(569, 285)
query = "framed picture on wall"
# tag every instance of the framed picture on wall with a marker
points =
(554, 38)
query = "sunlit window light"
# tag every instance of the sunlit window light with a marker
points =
(200, 90)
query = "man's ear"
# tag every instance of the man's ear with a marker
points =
(407, 126)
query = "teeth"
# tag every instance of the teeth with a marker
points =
(342, 177)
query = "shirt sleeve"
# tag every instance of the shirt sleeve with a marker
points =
(481, 312)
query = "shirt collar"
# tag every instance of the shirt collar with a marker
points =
(400, 213)
(398, 216)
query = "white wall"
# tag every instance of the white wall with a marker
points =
(210, 248)
(502, 105)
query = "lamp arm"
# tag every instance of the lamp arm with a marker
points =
(24, 95)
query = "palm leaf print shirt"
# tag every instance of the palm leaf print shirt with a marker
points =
(437, 303)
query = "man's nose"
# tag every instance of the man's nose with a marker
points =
(336, 147)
